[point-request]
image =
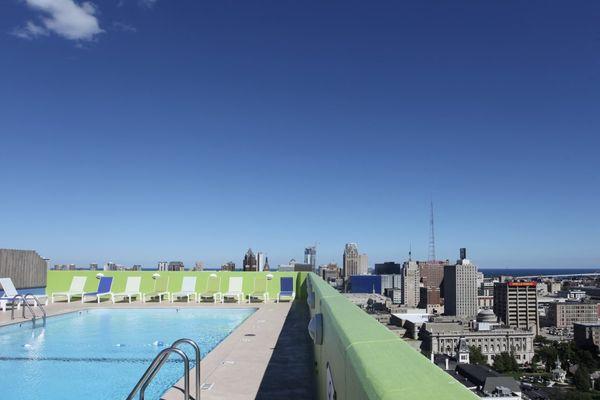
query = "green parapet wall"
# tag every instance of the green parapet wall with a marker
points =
(367, 361)
(59, 281)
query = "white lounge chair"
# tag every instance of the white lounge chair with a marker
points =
(10, 291)
(132, 289)
(234, 291)
(76, 289)
(188, 289)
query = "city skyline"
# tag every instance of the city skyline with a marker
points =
(129, 139)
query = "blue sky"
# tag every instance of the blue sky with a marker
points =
(137, 131)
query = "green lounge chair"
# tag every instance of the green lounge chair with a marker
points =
(161, 288)
(260, 290)
(213, 289)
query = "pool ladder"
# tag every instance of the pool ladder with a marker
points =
(26, 305)
(161, 359)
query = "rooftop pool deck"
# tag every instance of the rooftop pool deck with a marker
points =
(270, 355)
(251, 362)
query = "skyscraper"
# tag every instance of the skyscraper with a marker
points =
(410, 284)
(516, 304)
(250, 263)
(261, 260)
(460, 289)
(310, 256)
(354, 263)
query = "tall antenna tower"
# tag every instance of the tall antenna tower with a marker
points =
(431, 236)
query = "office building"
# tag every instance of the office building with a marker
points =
(261, 260)
(587, 335)
(163, 266)
(110, 266)
(430, 296)
(515, 303)
(366, 284)
(266, 267)
(25, 267)
(354, 263)
(93, 267)
(564, 315)
(388, 268)
(329, 272)
(411, 293)
(460, 289)
(198, 266)
(250, 263)
(176, 266)
(228, 266)
(432, 273)
(310, 257)
(136, 267)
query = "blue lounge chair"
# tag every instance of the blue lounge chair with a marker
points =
(286, 289)
(104, 287)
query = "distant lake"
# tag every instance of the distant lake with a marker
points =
(535, 271)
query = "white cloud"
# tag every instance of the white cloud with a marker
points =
(147, 3)
(66, 18)
(121, 26)
(30, 31)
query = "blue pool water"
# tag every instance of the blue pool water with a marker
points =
(100, 354)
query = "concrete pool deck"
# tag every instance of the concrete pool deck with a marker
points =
(255, 361)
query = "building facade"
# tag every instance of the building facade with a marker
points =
(564, 315)
(310, 256)
(250, 263)
(387, 268)
(176, 266)
(354, 263)
(587, 335)
(228, 266)
(460, 289)
(411, 291)
(25, 267)
(261, 260)
(443, 338)
(515, 303)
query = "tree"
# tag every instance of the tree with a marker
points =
(476, 356)
(547, 355)
(581, 379)
(505, 362)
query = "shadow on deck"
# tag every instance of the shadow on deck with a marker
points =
(290, 373)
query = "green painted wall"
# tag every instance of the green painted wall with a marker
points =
(59, 281)
(368, 361)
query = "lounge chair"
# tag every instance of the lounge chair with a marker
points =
(103, 290)
(286, 289)
(188, 289)
(260, 290)
(213, 289)
(161, 288)
(76, 289)
(132, 289)
(235, 290)
(10, 291)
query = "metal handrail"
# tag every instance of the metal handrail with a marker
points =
(155, 366)
(198, 359)
(186, 371)
(37, 302)
(25, 304)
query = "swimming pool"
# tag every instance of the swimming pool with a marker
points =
(100, 354)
